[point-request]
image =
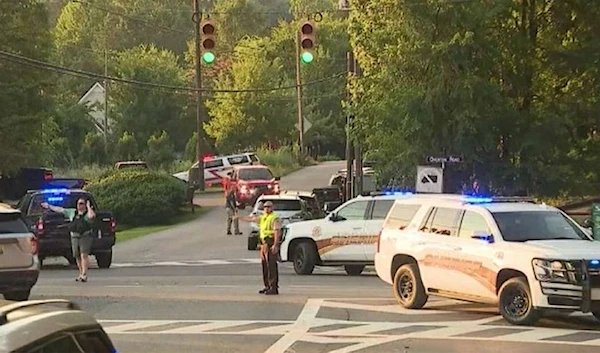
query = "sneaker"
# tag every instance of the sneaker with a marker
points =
(78, 279)
(84, 278)
(263, 291)
(272, 292)
(229, 233)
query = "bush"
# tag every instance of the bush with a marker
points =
(139, 197)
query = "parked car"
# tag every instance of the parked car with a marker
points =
(19, 264)
(131, 164)
(44, 326)
(51, 228)
(312, 202)
(289, 208)
(249, 182)
(216, 168)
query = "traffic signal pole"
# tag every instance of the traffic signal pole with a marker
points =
(299, 94)
(197, 17)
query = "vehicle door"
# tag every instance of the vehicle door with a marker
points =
(375, 217)
(437, 247)
(214, 171)
(343, 232)
(476, 275)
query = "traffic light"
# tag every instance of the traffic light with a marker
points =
(307, 42)
(208, 42)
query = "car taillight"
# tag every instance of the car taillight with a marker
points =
(379, 240)
(113, 225)
(48, 176)
(39, 227)
(35, 245)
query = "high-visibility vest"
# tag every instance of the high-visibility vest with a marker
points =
(266, 225)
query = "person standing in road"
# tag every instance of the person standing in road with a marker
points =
(231, 205)
(269, 229)
(80, 226)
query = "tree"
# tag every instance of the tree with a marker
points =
(160, 150)
(127, 147)
(24, 90)
(94, 149)
(146, 111)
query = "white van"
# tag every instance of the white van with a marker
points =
(217, 167)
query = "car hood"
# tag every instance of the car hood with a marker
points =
(569, 249)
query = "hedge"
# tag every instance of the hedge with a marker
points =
(139, 197)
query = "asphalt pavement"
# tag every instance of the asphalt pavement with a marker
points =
(193, 288)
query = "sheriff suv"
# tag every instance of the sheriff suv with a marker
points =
(345, 237)
(19, 264)
(47, 326)
(527, 258)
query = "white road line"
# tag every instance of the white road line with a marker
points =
(394, 309)
(303, 324)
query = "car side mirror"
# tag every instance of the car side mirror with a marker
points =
(277, 178)
(587, 223)
(333, 217)
(478, 235)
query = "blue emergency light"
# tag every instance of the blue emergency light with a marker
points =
(55, 199)
(477, 200)
(56, 191)
(398, 193)
(594, 263)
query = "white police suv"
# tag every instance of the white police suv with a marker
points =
(346, 237)
(527, 258)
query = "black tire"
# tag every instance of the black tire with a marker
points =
(104, 259)
(304, 257)
(354, 270)
(20, 295)
(408, 287)
(596, 314)
(252, 243)
(515, 303)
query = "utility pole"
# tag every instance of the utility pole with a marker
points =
(299, 94)
(358, 156)
(105, 100)
(196, 18)
(349, 154)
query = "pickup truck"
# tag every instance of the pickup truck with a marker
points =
(52, 228)
(250, 182)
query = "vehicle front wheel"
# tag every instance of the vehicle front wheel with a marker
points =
(354, 270)
(304, 257)
(20, 295)
(104, 259)
(408, 287)
(515, 302)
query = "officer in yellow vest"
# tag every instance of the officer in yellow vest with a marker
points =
(269, 229)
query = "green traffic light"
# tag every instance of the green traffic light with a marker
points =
(306, 57)
(208, 57)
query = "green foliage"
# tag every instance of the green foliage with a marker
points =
(127, 147)
(94, 149)
(190, 148)
(160, 150)
(138, 197)
(283, 160)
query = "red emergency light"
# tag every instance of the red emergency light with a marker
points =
(207, 157)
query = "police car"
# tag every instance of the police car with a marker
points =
(527, 258)
(346, 237)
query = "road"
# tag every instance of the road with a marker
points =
(194, 289)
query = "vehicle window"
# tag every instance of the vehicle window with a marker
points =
(311, 202)
(94, 342)
(401, 215)
(354, 211)
(282, 205)
(215, 163)
(253, 157)
(11, 223)
(62, 200)
(536, 225)
(473, 222)
(255, 174)
(445, 221)
(381, 208)
(64, 344)
(237, 160)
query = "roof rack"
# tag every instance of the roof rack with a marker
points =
(5, 310)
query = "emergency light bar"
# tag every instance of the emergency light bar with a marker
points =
(494, 199)
(56, 191)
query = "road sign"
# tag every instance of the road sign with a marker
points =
(307, 125)
(430, 179)
(448, 159)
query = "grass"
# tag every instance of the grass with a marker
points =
(125, 233)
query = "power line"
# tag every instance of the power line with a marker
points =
(19, 59)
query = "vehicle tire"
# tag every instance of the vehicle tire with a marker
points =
(354, 270)
(20, 295)
(596, 314)
(252, 243)
(104, 259)
(304, 257)
(408, 287)
(515, 302)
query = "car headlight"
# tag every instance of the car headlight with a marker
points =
(244, 189)
(555, 271)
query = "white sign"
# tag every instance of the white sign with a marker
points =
(430, 179)
(307, 125)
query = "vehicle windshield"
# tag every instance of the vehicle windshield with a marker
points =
(536, 225)
(61, 200)
(255, 174)
(282, 205)
(11, 223)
